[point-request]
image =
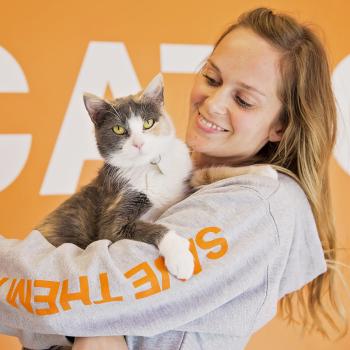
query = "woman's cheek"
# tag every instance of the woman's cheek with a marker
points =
(199, 92)
(241, 122)
(190, 133)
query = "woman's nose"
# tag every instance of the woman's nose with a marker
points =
(217, 103)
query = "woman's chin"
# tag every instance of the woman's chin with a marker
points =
(196, 142)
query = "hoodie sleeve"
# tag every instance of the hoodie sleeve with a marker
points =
(124, 289)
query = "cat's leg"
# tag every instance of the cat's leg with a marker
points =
(206, 176)
(126, 209)
(174, 248)
(121, 220)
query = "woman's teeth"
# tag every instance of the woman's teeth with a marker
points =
(209, 124)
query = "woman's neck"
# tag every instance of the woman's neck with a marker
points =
(201, 160)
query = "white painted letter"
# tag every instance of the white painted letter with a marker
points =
(183, 58)
(14, 151)
(14, 148)
(12, 78)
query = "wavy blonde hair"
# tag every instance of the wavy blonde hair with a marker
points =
(309, 119)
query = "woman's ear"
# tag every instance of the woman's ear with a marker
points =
(276, 131)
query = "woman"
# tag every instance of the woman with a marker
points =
(263, 96)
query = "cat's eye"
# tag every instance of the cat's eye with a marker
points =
(119, 130)
(147, 124)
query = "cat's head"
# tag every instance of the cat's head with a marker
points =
(133, 130)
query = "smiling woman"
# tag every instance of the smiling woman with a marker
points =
(235, 108)
(263, 97)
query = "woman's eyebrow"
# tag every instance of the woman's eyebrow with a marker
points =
(240, 83)
(251, 88)
(213, 64)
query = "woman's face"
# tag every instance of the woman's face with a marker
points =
(234, 106)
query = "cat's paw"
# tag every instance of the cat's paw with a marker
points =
(266, 170)
(178, 258)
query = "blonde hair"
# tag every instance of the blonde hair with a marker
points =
(309, 120)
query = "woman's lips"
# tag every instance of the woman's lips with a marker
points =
(208, 126)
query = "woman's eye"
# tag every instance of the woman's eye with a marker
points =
(211, 81)
(119, 130)
(242, 103)
(147, 124)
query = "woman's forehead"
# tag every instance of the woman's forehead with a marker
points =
(243, 55)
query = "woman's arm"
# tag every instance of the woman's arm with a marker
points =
(100, 343)
(124, 289)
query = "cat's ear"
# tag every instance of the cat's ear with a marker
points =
(95, 107)
(154, 90)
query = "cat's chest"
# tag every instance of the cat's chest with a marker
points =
(162, 187)
(159, 188)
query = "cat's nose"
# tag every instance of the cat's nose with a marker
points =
(138, 145)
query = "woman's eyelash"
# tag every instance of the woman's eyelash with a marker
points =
(210, 80)
(242, 103)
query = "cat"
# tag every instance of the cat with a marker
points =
(146, 170)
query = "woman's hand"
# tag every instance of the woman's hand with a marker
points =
(100, 343)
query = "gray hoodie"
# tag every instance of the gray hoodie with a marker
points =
(254, 240)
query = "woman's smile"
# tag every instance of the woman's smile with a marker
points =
(208, 126)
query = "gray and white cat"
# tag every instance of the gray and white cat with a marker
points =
(146, 170)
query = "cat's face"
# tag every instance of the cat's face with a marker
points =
(131, 131)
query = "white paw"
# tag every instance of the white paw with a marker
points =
(177, 256)
(267, 170)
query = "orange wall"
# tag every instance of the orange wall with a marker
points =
(49, 41)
